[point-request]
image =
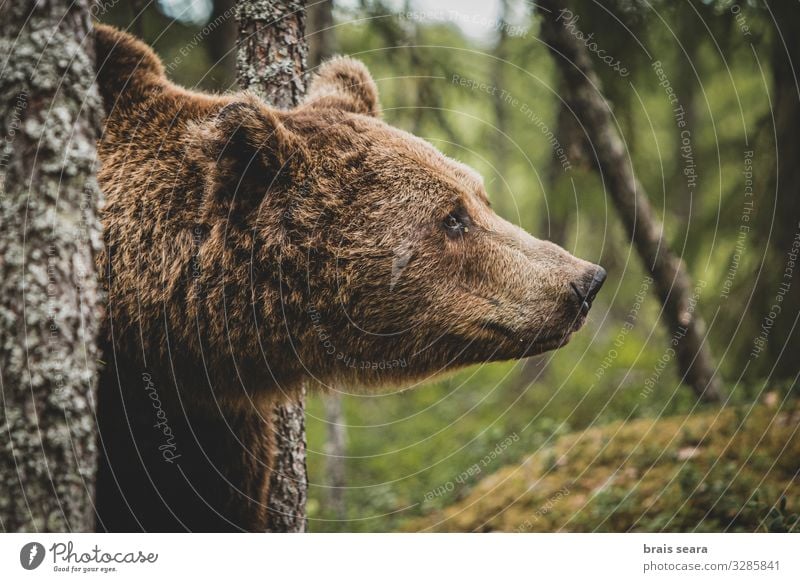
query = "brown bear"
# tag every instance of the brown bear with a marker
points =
(251, 250)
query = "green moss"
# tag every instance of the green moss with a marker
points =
(722, 470)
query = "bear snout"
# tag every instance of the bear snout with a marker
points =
(585, 288)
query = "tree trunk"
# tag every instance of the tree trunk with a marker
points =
(272, 62)
(49, 294)
(335, 451)
(674, 287)
(499, 135)
(778, 211)
(321, 39)
(686, 86)
(222, 43)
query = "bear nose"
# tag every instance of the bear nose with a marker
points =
(586, 288)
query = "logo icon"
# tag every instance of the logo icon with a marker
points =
(31, 555)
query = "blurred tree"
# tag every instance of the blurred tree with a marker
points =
(572, 137)
(674, 286)
(499, 136)
(272, 63)
(778, 206)
(49, 296)
(692, 24)
(222, 42)
(335, 451)
(411, 60)
(321, 43)
(321, 36)
(137, 9)
(689, 36)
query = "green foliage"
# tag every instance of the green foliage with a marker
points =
(721, 470)
(407, 450)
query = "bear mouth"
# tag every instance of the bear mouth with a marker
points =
(549, 343)
(535, 343)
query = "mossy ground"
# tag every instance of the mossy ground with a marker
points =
(731, 469)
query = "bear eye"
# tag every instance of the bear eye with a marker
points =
(456, 224)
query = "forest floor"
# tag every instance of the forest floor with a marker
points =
(727, 469)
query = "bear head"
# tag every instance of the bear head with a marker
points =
(376, 259)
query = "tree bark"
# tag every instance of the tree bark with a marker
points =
(272, 63)
(672, 282)
(49, 294)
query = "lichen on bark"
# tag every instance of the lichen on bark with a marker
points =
(49, 293)
(272, 50)
(271, 62)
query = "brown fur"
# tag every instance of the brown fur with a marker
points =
(250, 250)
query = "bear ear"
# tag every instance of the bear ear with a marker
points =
(127, 69)
(244, 151)
(344, 83)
